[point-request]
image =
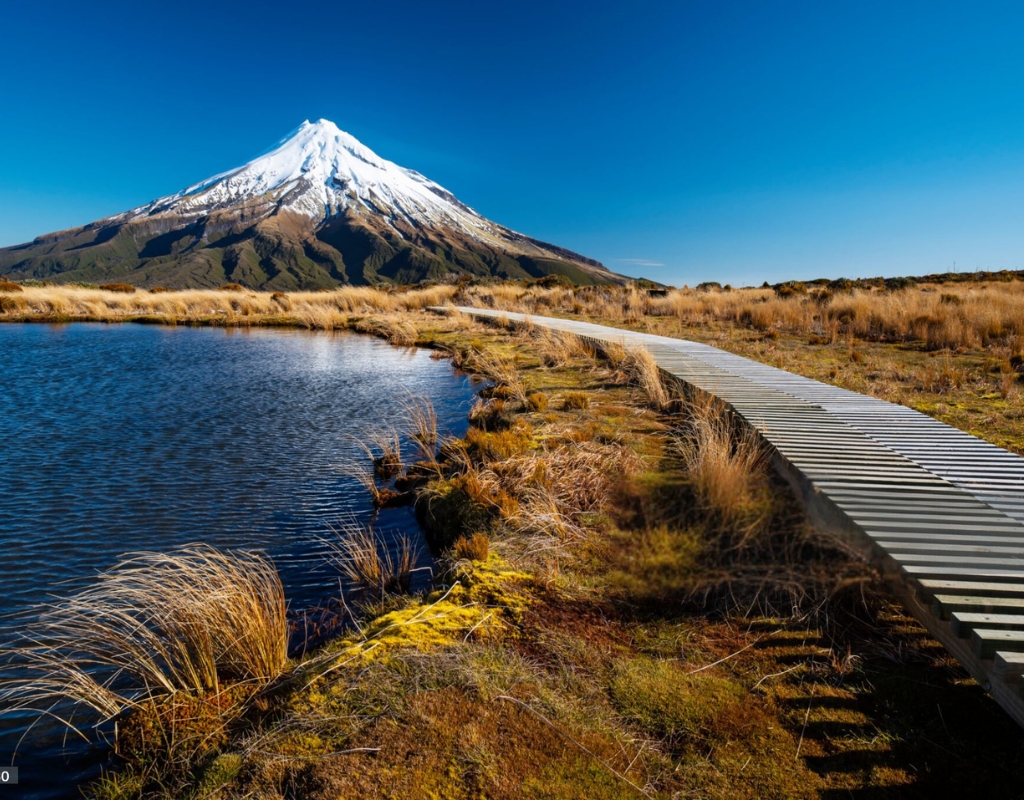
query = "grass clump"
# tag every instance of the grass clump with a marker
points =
(422, 420)
(537, 401)
(502, 369)
(643, 369)
(662, 699)
(473, 548)
(726, 466)
(125, 288)
(190, 621)
(575, 400)
(371, 563)
(9, 286)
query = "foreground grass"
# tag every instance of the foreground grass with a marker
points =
(607, 621)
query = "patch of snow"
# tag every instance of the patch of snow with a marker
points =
(318, 171)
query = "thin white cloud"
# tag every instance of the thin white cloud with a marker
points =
(640, 262)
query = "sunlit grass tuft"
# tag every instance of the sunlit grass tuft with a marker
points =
(366, 560)
(156, 624)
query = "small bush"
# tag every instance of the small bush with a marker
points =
(127, 288)
(9, 286)
(896, 284)
(160, 290)
(790, 289)
(474, 548)
(576, 400)
(231, 287)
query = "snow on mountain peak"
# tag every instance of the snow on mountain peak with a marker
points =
(320, 171)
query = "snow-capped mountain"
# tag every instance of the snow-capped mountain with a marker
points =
(317, 210)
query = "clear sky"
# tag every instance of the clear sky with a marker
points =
(685, 142)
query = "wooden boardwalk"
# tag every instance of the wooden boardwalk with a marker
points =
(941, 511)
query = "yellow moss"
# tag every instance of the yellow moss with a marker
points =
(481, 604)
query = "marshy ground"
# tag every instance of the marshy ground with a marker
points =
(627, 602)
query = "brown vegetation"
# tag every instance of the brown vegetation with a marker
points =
(192, 621)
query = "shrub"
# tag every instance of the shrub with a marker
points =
(790, 289)
(9, 286)
(127, 288)
(160, 290)
(231, 287)
(895, 284)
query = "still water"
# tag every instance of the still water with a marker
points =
(118, 438)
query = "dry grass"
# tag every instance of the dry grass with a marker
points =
(395, 328)
(643, 369)
(156, 624)
(726, 467)
(503, 370)
(383, 446)
(575, 401)
(557, 349)
(969, 314)
(367, 561)
(472, 548)
(314, 310)
(422, 420)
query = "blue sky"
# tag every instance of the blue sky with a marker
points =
(738, 142)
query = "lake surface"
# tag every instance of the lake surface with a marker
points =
(118, 438)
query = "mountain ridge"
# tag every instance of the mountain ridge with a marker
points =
(319, 209)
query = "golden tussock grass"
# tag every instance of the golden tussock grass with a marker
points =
(726, 467)
(643, 369)
(960, 315)
(368, 562)
(422, 422)
(191, 621)
(326, 310)
(503, 370)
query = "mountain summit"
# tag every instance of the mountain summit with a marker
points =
(317, 210)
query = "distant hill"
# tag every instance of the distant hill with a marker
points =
(318, 210)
